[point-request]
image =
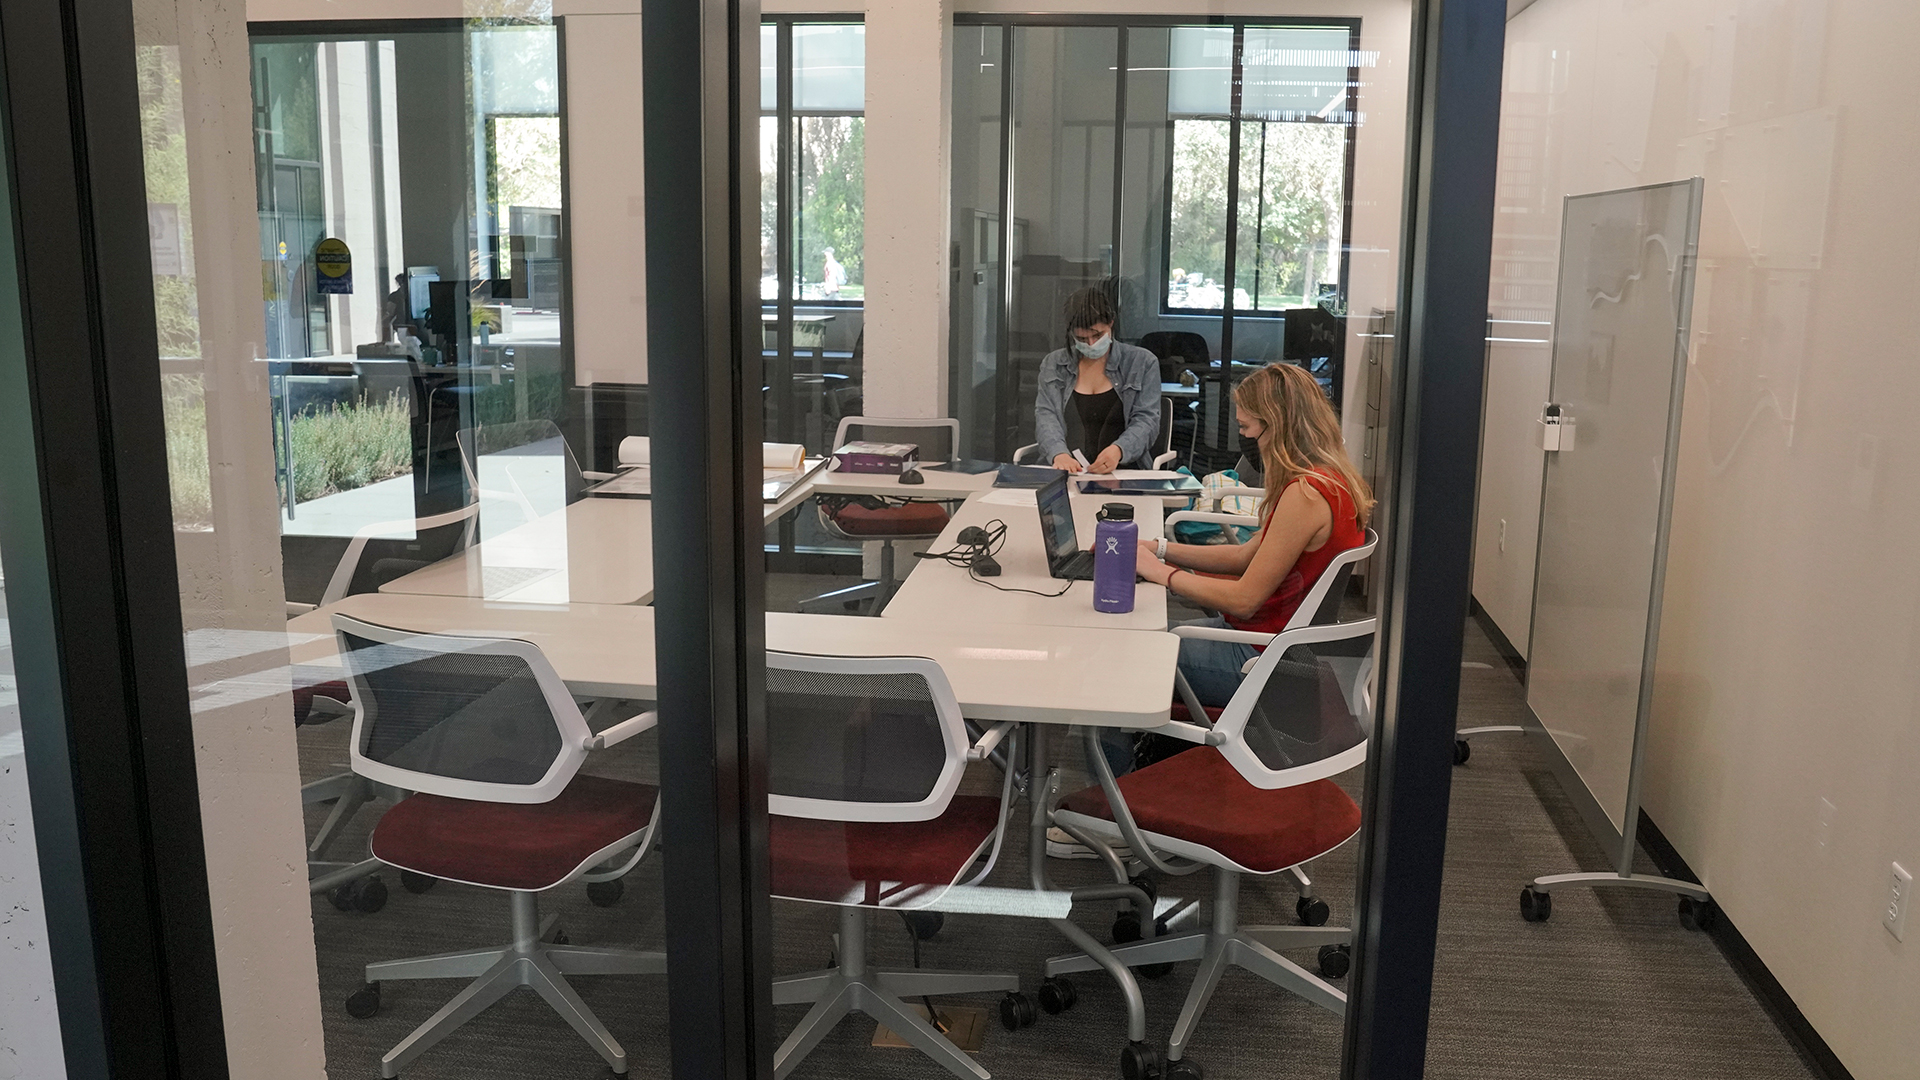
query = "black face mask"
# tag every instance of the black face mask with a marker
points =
(1250, 449)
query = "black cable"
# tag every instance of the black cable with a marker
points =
(933, 1016)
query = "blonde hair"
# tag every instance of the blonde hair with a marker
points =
(1299, 435)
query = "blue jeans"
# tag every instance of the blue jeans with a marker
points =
(1212, 668)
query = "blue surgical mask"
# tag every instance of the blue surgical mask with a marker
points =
(1098, 348)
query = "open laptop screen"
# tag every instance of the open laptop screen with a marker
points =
(1056, 520)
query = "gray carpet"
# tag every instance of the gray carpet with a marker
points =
(1611, 987)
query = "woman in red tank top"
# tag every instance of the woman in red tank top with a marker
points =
(1316, 507)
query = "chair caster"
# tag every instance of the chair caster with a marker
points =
(369, 894)
(1140, 1061)
(1145, 884)
(605, 893)
(924, 924)
(1335, 960)
(1057, 994)
(417, 883)
(1017, 1011)
(1126, 927)
(1698, 914)
(364, 1003)
(1535, 906)
(1184, 1069)
(1312, 911)
(1462, 750)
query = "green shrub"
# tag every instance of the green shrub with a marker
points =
(342, 447)
(184, 409)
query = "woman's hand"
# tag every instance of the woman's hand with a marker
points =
(1108, 460)
(1066, 462)
(1149, 566)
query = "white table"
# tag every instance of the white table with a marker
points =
(1029, 674)
(937, 592)
(941, 483)
(595, 551)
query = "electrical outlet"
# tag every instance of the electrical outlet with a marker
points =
(1503, 536)
(1898, 888)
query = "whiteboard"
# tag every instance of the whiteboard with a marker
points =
(1618, 371)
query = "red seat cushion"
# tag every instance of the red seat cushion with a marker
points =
(831, 860)
(522, 846)
(303, 697)
(1199, 797)
(909, 519)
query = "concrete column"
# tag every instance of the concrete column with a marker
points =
(230, 574)
(909, 112)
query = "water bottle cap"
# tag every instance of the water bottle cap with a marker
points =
(1116, 512)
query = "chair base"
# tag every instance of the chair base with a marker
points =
(852, 988)
(531, 961)
(1226, 944)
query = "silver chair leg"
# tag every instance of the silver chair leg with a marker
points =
(470, 1002)
(1297, 937)
(1286, 974)
(825, 1015)
(349, 793)
(530, 961)
(1204, 981)
(911, 1026)
(852, 987)
(1171, 949)
(546, 980)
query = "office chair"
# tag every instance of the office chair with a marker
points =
(857, 520)
(376, 555)
(1320, 607)
(486, 734)
(1162, 457)
(1177, 351)
(1303, 715)
(528, 465)
(865, 756)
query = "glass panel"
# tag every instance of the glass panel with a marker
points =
(830, 157)
(30, 1043)
(829, 68)
(1200, 63)
(1294, 73)
(1197, 223)
(1292, 206)
(420, 448)
(978, 78)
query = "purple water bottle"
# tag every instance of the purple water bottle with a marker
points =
(1115, 542)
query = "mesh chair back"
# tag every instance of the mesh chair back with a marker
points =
(471, 718)
(1322, 603)
(381, 553)
(1178, 350)
(938, 439)
(1305, 710)
(525, 461)
(861, 738)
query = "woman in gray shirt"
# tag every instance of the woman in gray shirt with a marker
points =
(1099, 396)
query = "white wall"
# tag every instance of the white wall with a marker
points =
(1789, 668)
(605, 196)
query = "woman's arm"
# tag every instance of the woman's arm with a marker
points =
(1215, 558)
(1049, 424)
(1142, 373)
(1300, 518)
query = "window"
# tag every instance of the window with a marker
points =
(813, 86)
(1288, 183)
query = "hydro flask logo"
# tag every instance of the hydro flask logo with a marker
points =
(1113, 545)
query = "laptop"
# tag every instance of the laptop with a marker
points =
(1065, 559)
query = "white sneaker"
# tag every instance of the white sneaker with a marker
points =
(1062, 845)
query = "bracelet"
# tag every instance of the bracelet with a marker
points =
(1161, 551)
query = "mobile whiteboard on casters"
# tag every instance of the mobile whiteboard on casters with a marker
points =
(1619, 364)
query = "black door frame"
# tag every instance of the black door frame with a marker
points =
(87, 542)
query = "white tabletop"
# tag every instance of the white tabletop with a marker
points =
(936, 592)
(940, 483)
(1031, 674)
(596, 551)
